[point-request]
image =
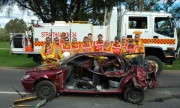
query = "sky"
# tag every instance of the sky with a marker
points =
(27, 17)
(16, 13)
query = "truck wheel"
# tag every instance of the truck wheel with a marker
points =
(158, 63)
(134, 95)
(45, 89)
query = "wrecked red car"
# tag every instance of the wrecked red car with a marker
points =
(93, 73)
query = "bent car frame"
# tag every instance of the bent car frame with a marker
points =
(93, 73)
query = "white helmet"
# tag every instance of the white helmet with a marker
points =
(66, 54)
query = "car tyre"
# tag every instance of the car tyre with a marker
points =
(158, 63)
(134, 95)
(46, 89)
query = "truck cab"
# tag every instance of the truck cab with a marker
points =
(156, 30)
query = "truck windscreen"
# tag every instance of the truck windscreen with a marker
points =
(164, 26)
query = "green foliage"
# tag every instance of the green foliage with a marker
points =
(66, 10)
(4, 36)
(81, 10)
(13, 26)
(16, 26)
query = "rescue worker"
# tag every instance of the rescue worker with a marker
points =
(47, 50)
(90, 38)
(107, 47)
(124, 43)
(63, 36)
(130, 48)
(57, 48)
(139, 45)
(116, 46)
(98, 45)
(75, 46)
(86, 46)
(66, 47)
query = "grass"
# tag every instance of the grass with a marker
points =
(175, 66)
(7, 60)
(14, 60)
(5, 45)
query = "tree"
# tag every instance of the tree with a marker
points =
(4, 36)
(176, 15)
(81, 10)
(13, 26)
(16, 26)
(66, 10)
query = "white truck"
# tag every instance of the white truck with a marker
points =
(156, 29)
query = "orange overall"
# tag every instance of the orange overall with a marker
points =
(75, 48)
(86, 47)
(98, 45)
(116, 47)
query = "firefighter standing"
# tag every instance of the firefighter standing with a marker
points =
(116, 46)
(75, 46)
(90, 38)
(98, 45)
(124, 44)
(47, 50)
(130, 48)
(107, 47)
(57, 48)
(66, 47)
(86, 46)
(63, 36)
(139, 44)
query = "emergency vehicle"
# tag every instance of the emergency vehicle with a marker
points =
(156, 31)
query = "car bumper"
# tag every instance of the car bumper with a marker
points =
(28, 85)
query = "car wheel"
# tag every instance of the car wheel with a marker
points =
(134, 95)
(45, 89)
(158, 63)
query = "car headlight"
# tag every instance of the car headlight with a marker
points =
(25, 77)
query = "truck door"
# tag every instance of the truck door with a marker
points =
(17, 42)
(137, 25)
(163, 33)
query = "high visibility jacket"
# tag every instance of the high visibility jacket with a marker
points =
(61, 42)
(116, 48)
(47, 51)
(91, 41)
(123, 47)
(58, 51)
(66, 48)
(139, 47)
(75, 48)
(130, 49)
(86, 47)
(98, 46)
(107, 49)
